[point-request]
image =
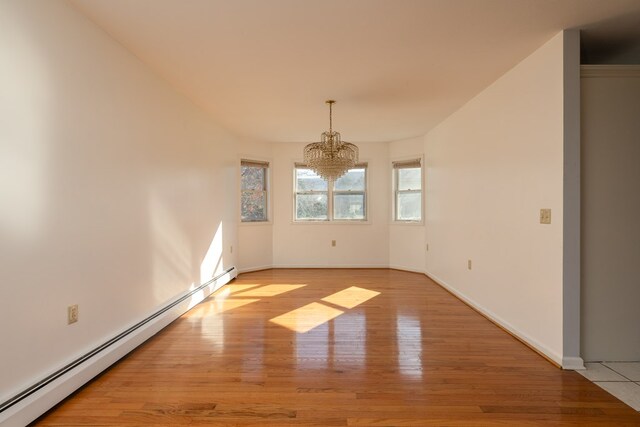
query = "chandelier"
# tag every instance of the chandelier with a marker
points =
(331, 157)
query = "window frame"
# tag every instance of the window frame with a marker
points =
(331, 193)
(266, 165)
(407, 163)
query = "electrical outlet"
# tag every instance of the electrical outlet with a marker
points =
(469, 264)
(545, 216)
(72, 314)
(333, 243)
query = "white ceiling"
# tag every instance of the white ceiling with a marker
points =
(396, 67)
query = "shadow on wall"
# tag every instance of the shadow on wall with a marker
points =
(171, 262)
(110, 189)
(612, 41)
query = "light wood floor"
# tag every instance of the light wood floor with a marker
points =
(394, 349)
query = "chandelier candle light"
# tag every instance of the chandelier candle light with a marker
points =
(331, 157)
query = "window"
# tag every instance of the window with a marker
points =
(349, 197)
(253, 188)
(407, 179)
(312, 196)
(344, 200)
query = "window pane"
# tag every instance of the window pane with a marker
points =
(409, 179)
(308, 180)
(348, 206)
(311, 206)
(352, 180)
(253, 206)
(409, 207)
(252, 178)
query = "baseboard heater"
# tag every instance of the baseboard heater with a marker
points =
(232, 272)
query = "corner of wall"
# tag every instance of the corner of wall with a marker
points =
(571, 198)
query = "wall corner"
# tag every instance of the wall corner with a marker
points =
(571, 198)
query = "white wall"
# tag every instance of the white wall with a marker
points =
(407, 246)
(309, 245)
(117, 194)
(255, 247)
(610, 213)
(491, 167)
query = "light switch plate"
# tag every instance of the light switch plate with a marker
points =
(545, 216)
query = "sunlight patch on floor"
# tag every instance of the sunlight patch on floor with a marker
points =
(268, 291)
(233, 288)
(217, 306)
(305, 318)
(350, 297)
(223, 305)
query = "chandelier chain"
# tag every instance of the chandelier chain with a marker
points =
(330, 117)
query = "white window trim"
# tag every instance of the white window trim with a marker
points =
(330, 193)
(394, 179)
(269, 220)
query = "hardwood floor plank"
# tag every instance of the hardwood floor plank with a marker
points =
(368, 347)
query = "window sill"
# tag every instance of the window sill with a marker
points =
(357, 222)
(255, 223)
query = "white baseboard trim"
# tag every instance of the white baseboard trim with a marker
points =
(547, 352)
(573, 363)
(267, 267)
(250, 269)
(31, 407)
(409, 269)
(329, 266)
